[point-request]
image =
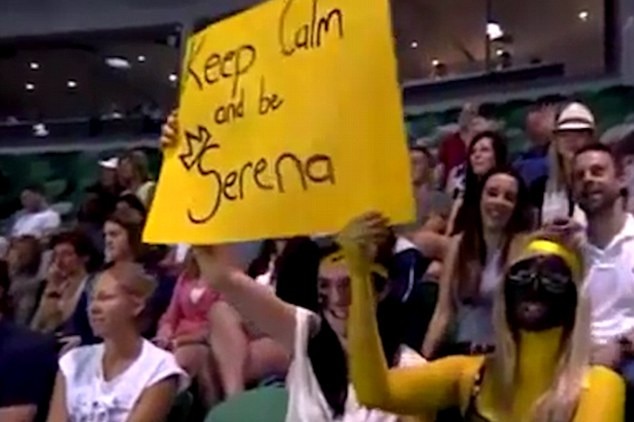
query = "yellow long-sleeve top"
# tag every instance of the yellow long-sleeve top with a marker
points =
(450, 382)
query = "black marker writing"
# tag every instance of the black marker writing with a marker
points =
(192, 54)
(198, 144)
(231, 111)
(268, 102)
(261, 174)
(232, 64)
(310, 34)
(307, 171)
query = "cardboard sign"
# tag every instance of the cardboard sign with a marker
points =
(291, 123)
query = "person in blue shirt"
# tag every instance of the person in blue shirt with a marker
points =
(533, 163)
(28, 364)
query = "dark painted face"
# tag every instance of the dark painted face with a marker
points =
(540, 294)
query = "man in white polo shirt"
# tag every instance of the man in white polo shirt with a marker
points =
(36, 218)
(600, 190)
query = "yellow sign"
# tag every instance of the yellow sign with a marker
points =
(291, 123)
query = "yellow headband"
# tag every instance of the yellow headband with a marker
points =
(337, 256)
(553, 248)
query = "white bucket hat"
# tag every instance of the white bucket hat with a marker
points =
(575, 116)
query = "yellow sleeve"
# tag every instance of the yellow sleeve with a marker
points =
(604, 397)
(407, 391)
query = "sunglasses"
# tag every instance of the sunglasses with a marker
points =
(552, 283)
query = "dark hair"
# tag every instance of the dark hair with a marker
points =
(296, 273)
(423, 150)
(32, 266)
(35, 188)
(616, 155)
(133, 202)
(5, 283)
(329, 360)
(472, 251)
(606, 149)
(96, 207)
(133, 228)
(78, 240)
(260, 265)
(473, 182)
(82, 245)
(534, 109)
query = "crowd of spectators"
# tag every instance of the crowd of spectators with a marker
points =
(96, 325)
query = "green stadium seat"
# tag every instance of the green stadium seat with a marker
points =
(451, 115)
(267, 404)
(516, 140)
(514, 117)
(182, 407)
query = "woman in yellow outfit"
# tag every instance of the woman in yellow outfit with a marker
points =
(540, 369)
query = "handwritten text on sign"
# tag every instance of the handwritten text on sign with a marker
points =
(291, 124)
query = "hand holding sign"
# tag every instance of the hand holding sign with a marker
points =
(289, 123)
(169, 132)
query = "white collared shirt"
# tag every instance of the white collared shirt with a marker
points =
(610, 285)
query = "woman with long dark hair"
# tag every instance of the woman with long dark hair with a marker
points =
(487, 151)
(475, 262)
(315, 335)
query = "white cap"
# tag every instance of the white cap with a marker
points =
(110, 163)
(575, 116)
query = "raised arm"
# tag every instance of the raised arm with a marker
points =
(255, 303)
(415, 390)
(604, 400)
(444, 308)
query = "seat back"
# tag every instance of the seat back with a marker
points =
(261, 404)
(182, 407)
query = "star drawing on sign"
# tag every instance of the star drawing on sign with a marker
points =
(197, 145)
